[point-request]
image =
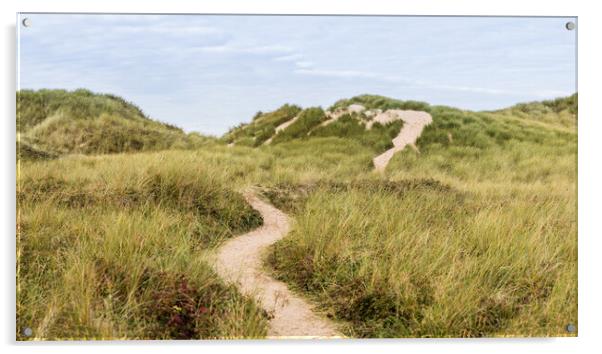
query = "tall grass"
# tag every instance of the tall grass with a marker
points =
(116, 247)
(473, 236)
(492, 253)
(435, 262)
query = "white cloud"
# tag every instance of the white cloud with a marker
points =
(291, 57)
(167, 29)
(304, 64)
(357, 74)
(231, 48)
(465, 88)
(347, 74)
(491, 91)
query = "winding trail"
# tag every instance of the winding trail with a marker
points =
(414, 123)
(239, 261)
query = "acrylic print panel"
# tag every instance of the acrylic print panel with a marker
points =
(205, 176)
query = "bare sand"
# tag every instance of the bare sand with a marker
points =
(414, 123)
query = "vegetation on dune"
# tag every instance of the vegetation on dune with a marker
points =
(455, 128)
(308, 119)
(476, 235)
(491, 147)
(492, 254)
(558, 111)
(556, 105)
(379, 137)
(113, 247)
(59, 122)
(34, 107)
(349, 126)
(292, 197)
(434, 262)
(262, 127)
(380, 102)
(28, 151)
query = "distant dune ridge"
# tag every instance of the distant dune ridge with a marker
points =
(380, 123)
(51, 123)
(56, 122)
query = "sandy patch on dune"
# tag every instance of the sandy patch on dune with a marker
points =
(414, 123)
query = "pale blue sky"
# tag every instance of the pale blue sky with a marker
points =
(208, 73)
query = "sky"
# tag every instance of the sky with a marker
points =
(209, 73)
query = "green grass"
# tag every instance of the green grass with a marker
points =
(492, 253)
(262, 127)
(473, 236)
(380, 102)
(308, 119)
(59, 122)
(348, 126)
(116, 247)
(558, 105)
(435, 262)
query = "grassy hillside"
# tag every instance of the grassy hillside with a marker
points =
(558, 105)
(308, 119)
(262, 127)
(57, 122)
(381, 102)
(476, 235)
(351, 126)
(562, 111)
(114, 247)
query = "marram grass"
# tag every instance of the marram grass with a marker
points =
(474, 236)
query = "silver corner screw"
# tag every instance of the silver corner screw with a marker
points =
(27, 332)
(571, 328)
(26, 22)
(570, 25)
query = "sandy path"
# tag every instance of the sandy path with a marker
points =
(414, 123)
(281, 127)
(239, 260)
